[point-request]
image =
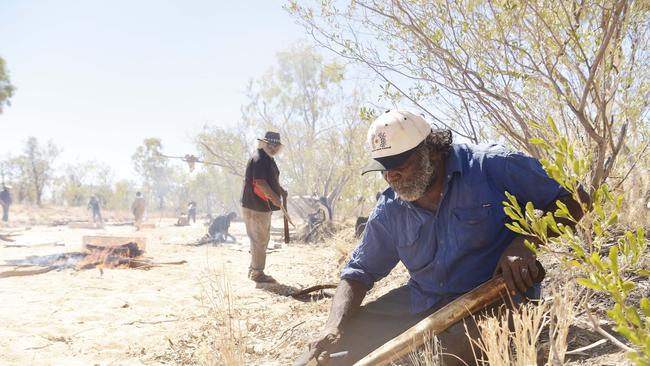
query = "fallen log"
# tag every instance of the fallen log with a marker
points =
(85, 225)
(6, 238)
(26, 272)
(105, 242)
(53, 244)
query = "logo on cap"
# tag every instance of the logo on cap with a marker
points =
(379, 141)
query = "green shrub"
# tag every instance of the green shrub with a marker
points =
(584, 246)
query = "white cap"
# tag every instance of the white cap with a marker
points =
(393, 137)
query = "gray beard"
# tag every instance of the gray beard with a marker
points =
(268, 151)
(419, 184)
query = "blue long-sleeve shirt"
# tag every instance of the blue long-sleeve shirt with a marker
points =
(455, 249)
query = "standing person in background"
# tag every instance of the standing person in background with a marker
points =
(5, 202)
(191, 212)
(138, 209)
(93, 204)
(261, 196)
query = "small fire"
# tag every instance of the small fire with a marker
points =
(123, 256)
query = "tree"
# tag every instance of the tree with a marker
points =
(35, 166)
(500, 68)
(305, 100)
(122, 196)
(227, 149)
(153, 168)
(81, 180)
(6, 89)
(218, 186)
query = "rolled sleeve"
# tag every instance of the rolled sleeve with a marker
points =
(375, 256)
(525, 178)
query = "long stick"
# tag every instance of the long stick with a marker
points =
(286, 220)
(417, 335)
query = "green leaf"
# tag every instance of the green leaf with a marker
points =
(633, 316)
(628, 286)
(613, 260)
(643, 272)
(585, 282)
(516, 228)
(540, 142)
(551, 123)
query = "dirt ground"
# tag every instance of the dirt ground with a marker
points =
(171, 314)
(127, 316)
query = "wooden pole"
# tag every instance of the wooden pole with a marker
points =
(285, 215)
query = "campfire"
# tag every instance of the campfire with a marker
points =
(113, 252)
(98, 252)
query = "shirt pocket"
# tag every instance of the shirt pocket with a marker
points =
(475, 227)
(415, 251)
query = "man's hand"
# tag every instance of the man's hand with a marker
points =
(518, 267)
(285, 193)
(275, 200)
(319, 349)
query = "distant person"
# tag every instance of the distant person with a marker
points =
(218, 230)
(5, 201)
(138, 209)
(93, 204)
(183, 220)
(261, 196)
(191, 212)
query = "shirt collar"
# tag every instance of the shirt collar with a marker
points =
(264, 154)
(453, 163)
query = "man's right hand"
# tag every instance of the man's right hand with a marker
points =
(275, 200)
(320, 348)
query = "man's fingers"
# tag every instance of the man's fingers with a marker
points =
(507, 276)
(534, 270)
(323, 358)
(497, 270)
(518, 280)
(526, 277)
(304, 359)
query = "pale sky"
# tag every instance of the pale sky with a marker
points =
(97, 77)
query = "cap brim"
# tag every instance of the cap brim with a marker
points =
(388, 162)
(373, 166)
(270, 142)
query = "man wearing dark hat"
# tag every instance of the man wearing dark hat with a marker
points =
(261, 196)
(443, 218)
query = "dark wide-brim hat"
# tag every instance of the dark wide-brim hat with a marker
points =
(272, 138)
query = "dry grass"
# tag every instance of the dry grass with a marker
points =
(261, 326)
(515, 338)
(428, 355)
(228, 346)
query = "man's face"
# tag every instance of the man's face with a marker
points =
(272, 149)
(412, 179)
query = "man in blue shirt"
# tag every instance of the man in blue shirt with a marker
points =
(443, 218)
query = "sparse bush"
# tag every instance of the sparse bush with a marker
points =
(585, 246)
